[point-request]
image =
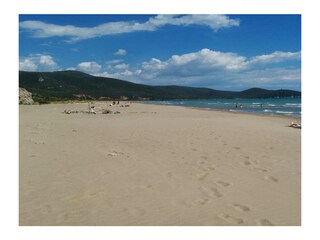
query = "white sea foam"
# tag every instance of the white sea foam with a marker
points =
(293, 104)
(284, 112)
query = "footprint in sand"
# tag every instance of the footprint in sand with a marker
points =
(264, 222)
(260, 170)
(204, 172)
(212, 192)
(223, 184)
(216, 192)
(145, 187)
(272, 179)
(246, 163)
(202, 201)
(211, 168)
(169, 174)
(202, 176)
(240, 207)
(231, 219)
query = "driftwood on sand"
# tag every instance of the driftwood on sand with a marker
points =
(104, 111)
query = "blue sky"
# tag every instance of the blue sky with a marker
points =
(225, 52)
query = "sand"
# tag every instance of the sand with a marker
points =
(157, 166)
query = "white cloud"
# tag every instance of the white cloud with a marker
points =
(38, 62)
(121, 52)
(208, 68)
(48, 61)
(276, 57)
(45, 30)
(118, 75)
(215, 22)
(127, 73)
(89, 67)
(218, 69)
(275, 78)
(121, 66)
(115, 61)
(71, 69)
(207, 62)
(204, 62)
(27, 65)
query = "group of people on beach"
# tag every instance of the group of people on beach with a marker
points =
(92, 111)
(91, 108)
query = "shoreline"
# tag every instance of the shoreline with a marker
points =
(187, 107)
(228, 111)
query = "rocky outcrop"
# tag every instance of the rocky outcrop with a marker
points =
(25, 97)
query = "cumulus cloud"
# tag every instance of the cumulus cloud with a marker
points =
(121, 52)
(276, 57)
(208, 62)
(220, 70)
(89, 67)
(215, 22)
(27, 65)
(38, 62)
(48, 61)
(121, 66)
(275, 78)
(208, 68)
(40, 29)
(118, 75)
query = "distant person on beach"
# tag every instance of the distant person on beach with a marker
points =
(92, 110)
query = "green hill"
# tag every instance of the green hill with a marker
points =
(64, 85)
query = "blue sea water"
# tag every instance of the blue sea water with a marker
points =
(275, 106)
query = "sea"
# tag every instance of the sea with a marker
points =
(271, 106)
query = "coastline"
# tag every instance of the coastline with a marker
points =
(298, 118)
(155, 165)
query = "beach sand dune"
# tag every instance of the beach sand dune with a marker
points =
(157, 165)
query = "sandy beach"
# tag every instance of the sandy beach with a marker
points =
(157, 166)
